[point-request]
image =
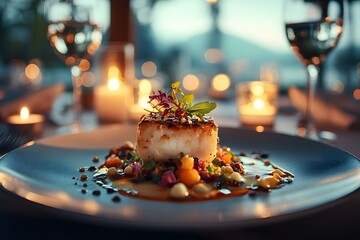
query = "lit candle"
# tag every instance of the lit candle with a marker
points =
(138, 109)
(112, 101)
(26, 123)
(257, 103)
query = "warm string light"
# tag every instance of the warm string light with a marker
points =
(191, 82)
(221, 82)
(213, 55)
(149, 69)
(32, 71)
(357, 94)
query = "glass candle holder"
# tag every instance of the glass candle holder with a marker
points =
(257, 103)
(114, 96)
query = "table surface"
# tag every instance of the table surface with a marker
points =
(21, 218)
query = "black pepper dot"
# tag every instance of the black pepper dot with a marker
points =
(116, 199)
(85, 185)
(92, 168)
(96, 192)
(83, 190)
(73, 177)
(110, 190)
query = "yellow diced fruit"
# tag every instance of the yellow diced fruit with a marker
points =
(187, 162)
(188, 176)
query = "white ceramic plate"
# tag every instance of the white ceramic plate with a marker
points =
(43, 173)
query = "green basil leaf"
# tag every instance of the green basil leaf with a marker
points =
(202, 108)
(187, 100)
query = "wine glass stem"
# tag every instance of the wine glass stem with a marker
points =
(312, 79)
(76, 97)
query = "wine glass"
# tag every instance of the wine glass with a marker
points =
(313, 28)
(75, 35)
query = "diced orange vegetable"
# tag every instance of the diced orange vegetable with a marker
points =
(188, 176)
(113, 162)
(227, 158)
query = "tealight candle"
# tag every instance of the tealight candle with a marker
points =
(112, 101)
(257, 103)
(26, 123)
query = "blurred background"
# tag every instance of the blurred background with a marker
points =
(197, 42)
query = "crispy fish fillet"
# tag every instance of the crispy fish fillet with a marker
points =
(161, 140)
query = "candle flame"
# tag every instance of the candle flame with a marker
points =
(113, 84)
(258, 103)
(24, 113)
(113, 72)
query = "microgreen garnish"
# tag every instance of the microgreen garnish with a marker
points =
(177, 103)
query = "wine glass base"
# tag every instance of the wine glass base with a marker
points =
(317, 135)
(327, 136)
(310, 134)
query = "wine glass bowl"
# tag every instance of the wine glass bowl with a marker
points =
(74, 41)
(311, 42)
(75, 36)
(313, 28)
